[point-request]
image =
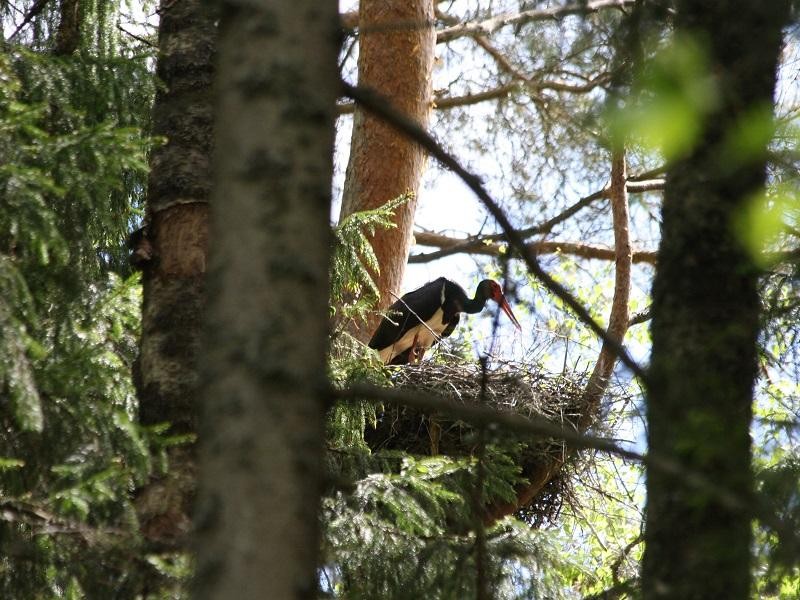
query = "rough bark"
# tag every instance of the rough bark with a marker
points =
(396, 52)
(68, 34)
(172, 254)
(705, 321)
(264, 376)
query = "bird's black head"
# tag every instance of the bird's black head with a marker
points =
(491, 290)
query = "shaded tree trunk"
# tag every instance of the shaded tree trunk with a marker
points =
(172, 252)
(396, 52)
(705, 321)
(68, 34)
(264, 375)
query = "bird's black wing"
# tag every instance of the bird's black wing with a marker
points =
(406, 313)
(451, 325)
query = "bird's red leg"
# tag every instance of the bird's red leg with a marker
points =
(414, 357)
(420, 354)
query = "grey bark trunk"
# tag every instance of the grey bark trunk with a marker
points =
(172, 254)
(264, 352)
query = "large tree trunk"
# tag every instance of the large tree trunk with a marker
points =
(705, 322)
(172, 252)
(264, 354)
(396, 52)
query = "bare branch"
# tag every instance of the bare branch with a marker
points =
(640, 317)
(495, 93)
(484, 247)
(501, 91)
(138, 38)
(483, 244)
(381, 107)
(619, 315)
(488, 26)
(547, 226)
(500, 58)
(32, 13)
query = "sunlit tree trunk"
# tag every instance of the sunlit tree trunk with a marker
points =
(264, 376)
(396, 52)
(172, 253)
(705, 322)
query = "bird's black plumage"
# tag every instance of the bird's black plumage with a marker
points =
(420, 318)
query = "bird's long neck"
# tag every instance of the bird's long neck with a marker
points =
(476, 304)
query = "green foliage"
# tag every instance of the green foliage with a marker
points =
(72, 174)
(668, 102)
(71, 477)
(353, 291)
(406, 533)
(767, 219)
(403, 526)
(779, 489)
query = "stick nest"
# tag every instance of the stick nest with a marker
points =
(505, 386)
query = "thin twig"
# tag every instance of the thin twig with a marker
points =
(145, 41)
(37, 8)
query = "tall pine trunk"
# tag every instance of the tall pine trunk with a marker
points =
(264, 375)
(396, 52)
(172, 253)
(705, 320)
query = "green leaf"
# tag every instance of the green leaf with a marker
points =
(10, 463)
(764, 219)
(666, 107)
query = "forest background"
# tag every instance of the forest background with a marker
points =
(199, 218)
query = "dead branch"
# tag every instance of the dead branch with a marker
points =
(484, 247)
(520, 82)
(546, 227)
(488, 26)
(32, 13)
(138, 38)
(537, 426)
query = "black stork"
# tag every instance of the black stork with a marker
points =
(421, 318)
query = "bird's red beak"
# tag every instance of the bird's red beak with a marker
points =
(501, 300)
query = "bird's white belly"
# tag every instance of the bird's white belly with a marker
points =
(426, 335)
